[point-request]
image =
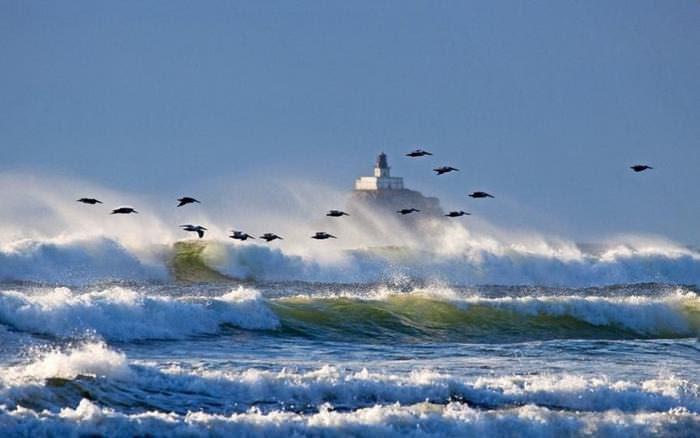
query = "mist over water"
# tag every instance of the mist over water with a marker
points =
(46, 236)
(125, 325)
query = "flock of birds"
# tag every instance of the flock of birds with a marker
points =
(319, 235)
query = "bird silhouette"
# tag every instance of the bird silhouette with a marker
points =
(336, 213)
(444, 169)
(91, 201)
(405, 211)
(640, 167)
(123, 210)
(240, 235)
(322, 235)
(269, 237)
(194, 228)
(418, 153)
(457, 213)
(477, 195)
(186, 200)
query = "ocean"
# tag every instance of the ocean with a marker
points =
(124, 326)
(161, 357)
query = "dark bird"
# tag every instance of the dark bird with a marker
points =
(640, 167)
(476, 195)
(123, 210)
(186, 200)
(322, 235)
(269, 237)
(457, 213)
(240, 235)
(418, 153)
(408, 210)
(444, 169)
(336, 213)
(91, 201)
(194, 228)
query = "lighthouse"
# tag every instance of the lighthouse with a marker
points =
(383, 192)
(382, 179)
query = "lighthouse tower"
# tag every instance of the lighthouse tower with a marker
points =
(382, 179)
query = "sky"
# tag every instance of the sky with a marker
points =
(544, 104)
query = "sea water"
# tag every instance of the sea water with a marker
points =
(286, 359)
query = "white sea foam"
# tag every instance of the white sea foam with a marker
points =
(380, 402)
(418, 420)
(343, 387)
(74, 261)
(93, 358)
(119, 313)
(350, 388)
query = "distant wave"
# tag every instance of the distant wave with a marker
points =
(46, 237)
(615, 266)
(329, 401)
(90, 260)
(434, 314)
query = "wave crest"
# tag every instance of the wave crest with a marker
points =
(123, 314)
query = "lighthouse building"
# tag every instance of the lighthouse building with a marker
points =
(382, 179)
(387, 193)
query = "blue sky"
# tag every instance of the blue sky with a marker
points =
(543, 103)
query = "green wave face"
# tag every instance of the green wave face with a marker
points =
(416, 318)
(188, 263)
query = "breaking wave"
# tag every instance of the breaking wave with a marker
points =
(74, 262)
(90, 260)
(46, 237)
(433, 314)
(445, 315)
(328, 401)
(474, 266)
(420, 420)
(123, 314)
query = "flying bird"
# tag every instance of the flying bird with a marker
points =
(240, 235)
(640, 167)
(186, 200)
(123, 210)
(444, 169)
(269, 237)
(418, 153)
(457, 213)
(477, 195)
(91, 201)
(194, 228)
(408, 211)
(336, 213)
(322, 235)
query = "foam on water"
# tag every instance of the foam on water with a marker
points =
(119, 313)
(419, 420)
(87, 359)
(74, 261)
(329, 384)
